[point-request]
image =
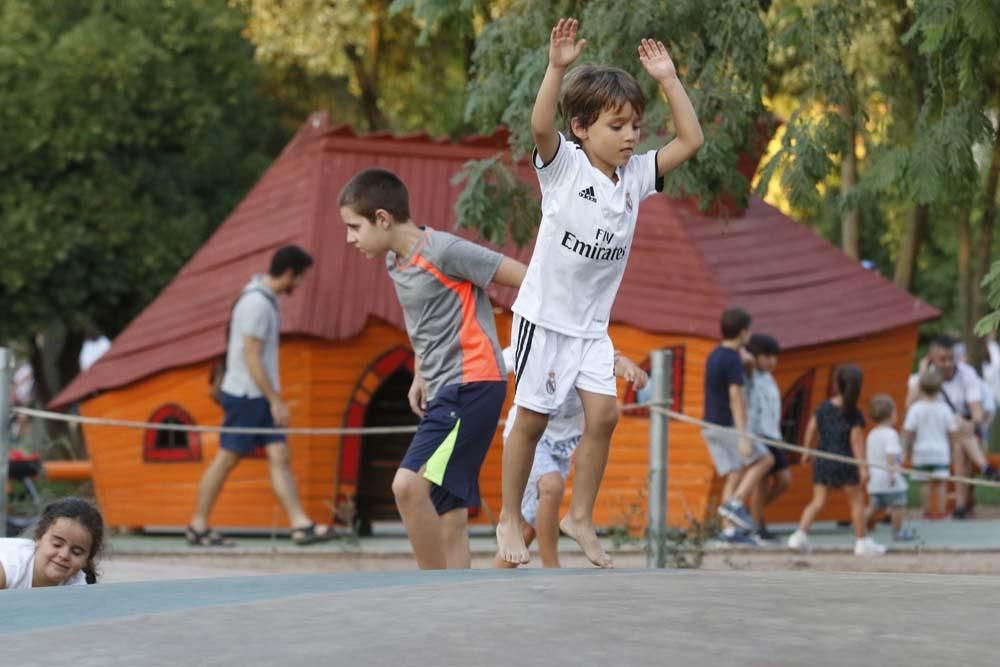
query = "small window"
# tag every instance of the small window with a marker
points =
(166, 446)
(794, 411)
(645, 395)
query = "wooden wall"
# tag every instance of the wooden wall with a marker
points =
(135, 493)
(320, 377)
(886, 361)
(693, 488)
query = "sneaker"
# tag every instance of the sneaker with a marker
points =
(739, 537)
(734, 511)
(962, 513)
(866, 546)
(798, 541)
(904, 535)
(764, 535)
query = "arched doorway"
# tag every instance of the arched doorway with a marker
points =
(369, 462)
(795, 412)
(381, 453)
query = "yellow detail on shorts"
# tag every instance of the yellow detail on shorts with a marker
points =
(438, 462)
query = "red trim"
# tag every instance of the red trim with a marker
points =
(677, 390)
(350, 445)
(354, 416)
(175, 414)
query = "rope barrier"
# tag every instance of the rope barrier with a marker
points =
(186, 428)
(819, 454)
(391, 430)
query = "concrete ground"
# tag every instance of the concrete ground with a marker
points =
(524, 617)
(945, 547)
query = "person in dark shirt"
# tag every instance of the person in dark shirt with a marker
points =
(741, 461)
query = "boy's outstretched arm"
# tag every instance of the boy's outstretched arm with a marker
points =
(510, 273)
(654, 57)
(628, 369)
(563, 50)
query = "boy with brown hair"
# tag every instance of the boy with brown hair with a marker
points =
(886, 490)
(591, 186)
(459, 382)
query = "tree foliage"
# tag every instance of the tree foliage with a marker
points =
(383, 69)
(130, 130)
(720, 50)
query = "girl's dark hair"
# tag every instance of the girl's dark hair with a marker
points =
(849, 379)
(87, 515)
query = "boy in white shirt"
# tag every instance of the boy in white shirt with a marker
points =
(591, 188)
(886, 490)
(930, 431)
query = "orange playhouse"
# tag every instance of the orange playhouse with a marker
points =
(346, 362)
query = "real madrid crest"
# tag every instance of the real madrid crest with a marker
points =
(550, 384)
(628, 202)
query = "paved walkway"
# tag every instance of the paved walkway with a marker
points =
(524, 617)
(390, 541)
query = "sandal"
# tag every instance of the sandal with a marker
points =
(206, 538)
(307, 535)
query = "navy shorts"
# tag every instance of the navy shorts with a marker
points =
(451, 442)
(244, 412)
(780, 459)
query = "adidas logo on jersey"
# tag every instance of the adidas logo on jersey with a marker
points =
(588, 193)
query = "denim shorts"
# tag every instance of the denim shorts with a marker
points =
(883, 501)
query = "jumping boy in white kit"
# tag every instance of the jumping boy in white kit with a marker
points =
(591, 188)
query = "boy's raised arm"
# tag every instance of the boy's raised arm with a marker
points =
(654, 57)
(563, 50)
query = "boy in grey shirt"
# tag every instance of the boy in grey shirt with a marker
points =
(764, 419)
(459, 383)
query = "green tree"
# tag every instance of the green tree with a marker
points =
(721, 53)
(922, 102)
(130, 130)
(377, 64)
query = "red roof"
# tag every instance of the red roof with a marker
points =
(684, 268)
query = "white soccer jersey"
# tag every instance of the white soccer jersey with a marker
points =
(584, 240)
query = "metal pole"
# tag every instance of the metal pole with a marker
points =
(661, 377)
(6, 364)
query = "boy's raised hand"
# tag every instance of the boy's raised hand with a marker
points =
(654, 57)
(563, 47)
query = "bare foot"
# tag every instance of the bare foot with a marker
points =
(510, 544)
(501, 564)
(586, 537)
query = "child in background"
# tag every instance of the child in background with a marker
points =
(838, 425)
(764, 419)
(886, 490)
(930, 430)
(64, 552)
